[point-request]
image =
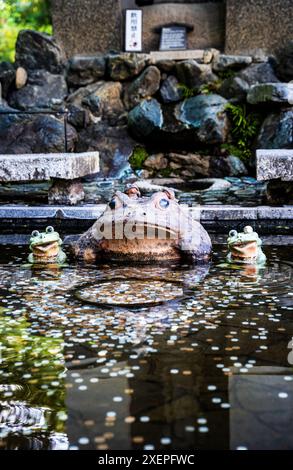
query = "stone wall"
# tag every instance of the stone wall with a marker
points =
(166, 116)
(91, 26)
(87, 26)
(258, 24)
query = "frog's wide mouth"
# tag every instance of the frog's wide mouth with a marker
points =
(46, 249)
(244, 249)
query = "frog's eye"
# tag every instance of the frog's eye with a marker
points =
(233, 233)
(35, 233)
(164, 203)
(248, 229)
(49, 229)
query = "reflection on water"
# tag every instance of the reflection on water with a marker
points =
(206, 369)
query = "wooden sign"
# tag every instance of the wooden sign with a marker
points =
(133, 31)
(173, 38)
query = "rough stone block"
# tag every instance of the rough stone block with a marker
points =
(274, 164)
(43, 167)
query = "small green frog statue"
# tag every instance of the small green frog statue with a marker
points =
(245, 247)
(46, 247)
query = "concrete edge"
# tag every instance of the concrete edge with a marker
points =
(92, 212)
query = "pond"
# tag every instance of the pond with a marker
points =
(146, 357)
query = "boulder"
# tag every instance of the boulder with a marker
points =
(105, 102)
(223, 62)
(144, 86)
(66, 193)
(195, 164)
(36, 134)
(43, 90)
(7, 78)
(234, 89)
(156, 162)
(277, 131)
(83, 70)
(193, 75)
(259, 73)
(285, 62)
(36, 50)
(170, 91)
(271, 93)
(206, 115)
(165, 66)
(77, 116)
(145, 118)
(126, 65)
(114, 145)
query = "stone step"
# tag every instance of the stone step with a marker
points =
(274, 164)
(219, 219)
(43, 167)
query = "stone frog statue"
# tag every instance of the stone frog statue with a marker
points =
(144, 229)
(245, 247)
(46, 247)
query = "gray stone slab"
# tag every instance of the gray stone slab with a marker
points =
(43, 167)
(274, 164)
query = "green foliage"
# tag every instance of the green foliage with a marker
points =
(223, 74)
(139, 155)
(186, 91)
(209, 88)
(16, 15)
(245, 127)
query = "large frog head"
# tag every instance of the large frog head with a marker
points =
(144, 229)
(46, 247)
(245, 247)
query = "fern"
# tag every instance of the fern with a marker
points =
(245, 127)
(186, 91)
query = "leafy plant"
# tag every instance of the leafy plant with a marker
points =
(138, 157)
(245, 127)
(186, 91)
(16, 15)
(209, 88)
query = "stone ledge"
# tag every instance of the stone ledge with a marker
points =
(197, 54)
(274, 164)
(43, 167)
(92, 212)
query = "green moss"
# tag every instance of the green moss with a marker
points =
(166, 172)
(138, 157)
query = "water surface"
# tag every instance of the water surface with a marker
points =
(148, 357)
